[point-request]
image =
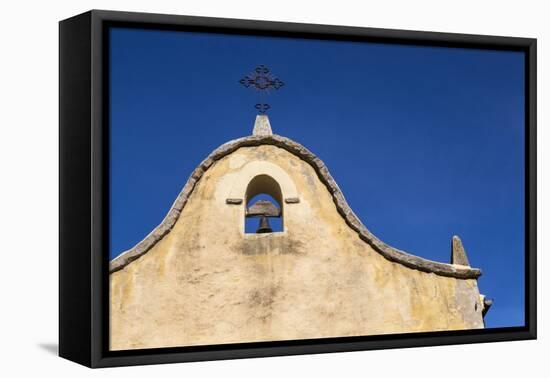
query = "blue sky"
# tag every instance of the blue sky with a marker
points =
(425, 142)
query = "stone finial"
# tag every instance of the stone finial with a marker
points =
(262, 126)
(458, 254)
(486, 303)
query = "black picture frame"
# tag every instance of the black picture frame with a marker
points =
(84, 193)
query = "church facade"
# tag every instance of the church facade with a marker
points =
(198, 278)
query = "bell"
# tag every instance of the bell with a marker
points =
(264, 226)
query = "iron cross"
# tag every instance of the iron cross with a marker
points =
(263, 81)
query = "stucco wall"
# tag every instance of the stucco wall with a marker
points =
(206, 282)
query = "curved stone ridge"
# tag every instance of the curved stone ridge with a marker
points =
(390, 253)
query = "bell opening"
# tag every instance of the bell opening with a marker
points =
(263, 215)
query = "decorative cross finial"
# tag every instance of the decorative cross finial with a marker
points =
(262, 81)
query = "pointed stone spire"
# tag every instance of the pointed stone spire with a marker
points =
(487, 303)
(262, 126)
(458, 254)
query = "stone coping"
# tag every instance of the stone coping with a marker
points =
(390, 253)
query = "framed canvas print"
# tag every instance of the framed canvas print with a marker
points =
(234, 188)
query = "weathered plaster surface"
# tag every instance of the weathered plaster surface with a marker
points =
(206, 282)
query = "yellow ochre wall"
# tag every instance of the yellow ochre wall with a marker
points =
(206, 282)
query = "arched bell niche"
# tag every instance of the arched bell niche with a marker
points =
(263, 206)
